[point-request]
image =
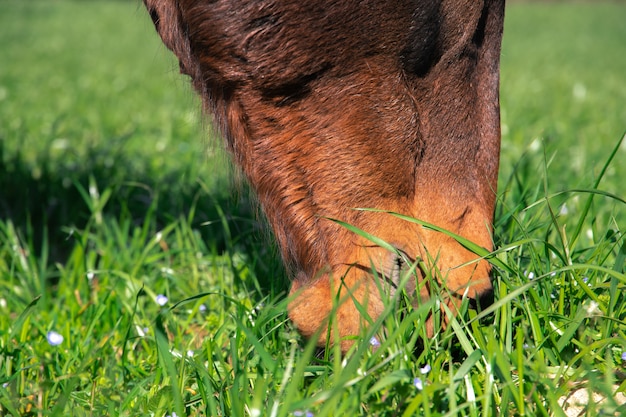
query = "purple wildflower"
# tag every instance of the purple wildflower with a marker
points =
(417, 383)
(161, 300)
(54, 338)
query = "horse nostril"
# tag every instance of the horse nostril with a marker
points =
(483, 300)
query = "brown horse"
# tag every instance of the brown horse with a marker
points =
(332, 105)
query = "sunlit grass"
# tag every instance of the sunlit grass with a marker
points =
(135, 281)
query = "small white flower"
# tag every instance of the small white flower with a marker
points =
(3, 302)
(190, 353)
(592, 309)
(426, 369)
(535, 145)
(202, 308)
(417, 383)
(374, 342)
(579, 91)
(60, 144)
(54, 338)
(93, 191)
(161, 145)
(141, 331)
(161, 299)
(564, 210)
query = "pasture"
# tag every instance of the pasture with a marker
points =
(137, 278)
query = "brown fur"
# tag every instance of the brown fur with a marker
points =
(331, 105)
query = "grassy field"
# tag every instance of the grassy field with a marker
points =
(136, 280)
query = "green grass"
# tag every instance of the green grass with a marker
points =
(111, 193)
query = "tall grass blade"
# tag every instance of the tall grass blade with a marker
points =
(589, 201)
